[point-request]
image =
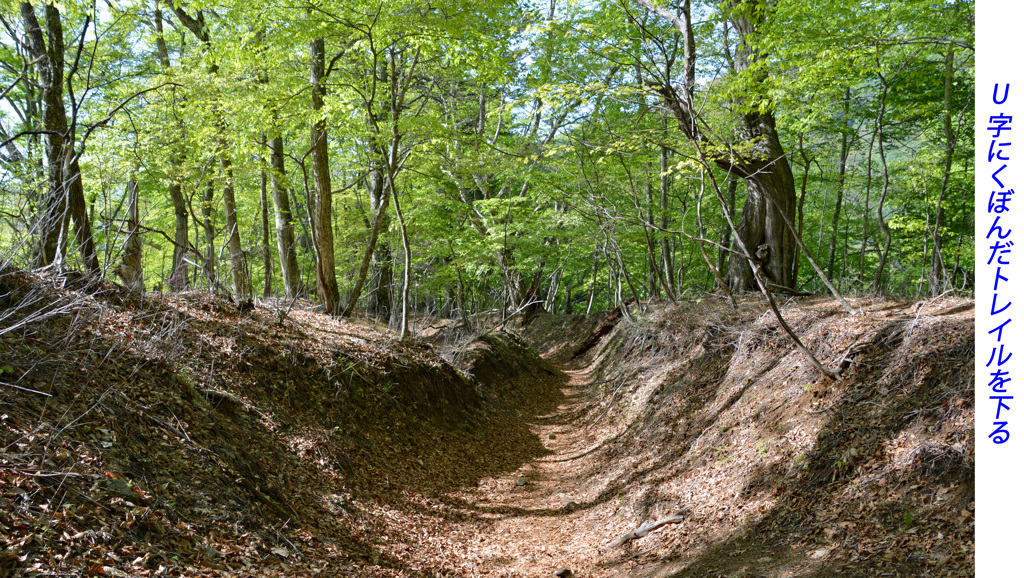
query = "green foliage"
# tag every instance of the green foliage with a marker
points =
(529, 141)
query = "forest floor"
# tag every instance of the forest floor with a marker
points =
(175, 435)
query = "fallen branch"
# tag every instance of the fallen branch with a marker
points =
(648, 527)
(602, 329)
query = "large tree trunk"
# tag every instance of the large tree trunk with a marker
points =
(283, 221)
(767, 173)
(66, 196)
(323, 232)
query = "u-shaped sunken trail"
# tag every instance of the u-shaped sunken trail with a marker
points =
(710, 408)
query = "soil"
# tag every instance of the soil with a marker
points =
(175, 435)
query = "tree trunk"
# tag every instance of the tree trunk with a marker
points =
(935, 271)
(323, 232)
(761, 225)
(844, 154)
(593, 281)
(130, 270)
(379, 298)
(79, 214)
(665, 182)
(800, 211)
(65, 198)
(652, 250)
(238, 280)
(403, 322)
(178, 279)
(867, 208)
(283, 220)
(885, 189)
(268, 267)
(209, 262)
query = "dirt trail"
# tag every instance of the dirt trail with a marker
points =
(561, 516)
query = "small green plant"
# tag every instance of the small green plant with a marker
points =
(908, 520)
(186, 376)
(762, 447)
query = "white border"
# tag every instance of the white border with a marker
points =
(999, 469)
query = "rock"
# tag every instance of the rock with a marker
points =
(571, 506)
(521, 481)
(564, 573)
(551, 436)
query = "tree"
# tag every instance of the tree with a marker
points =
(65, 199)
(756, 155)
(561, 156)
(323, 232)
(239, 283)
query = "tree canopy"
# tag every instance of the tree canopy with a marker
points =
(462, 156)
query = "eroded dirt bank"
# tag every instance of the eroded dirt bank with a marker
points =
(172, 435)
(707, 416)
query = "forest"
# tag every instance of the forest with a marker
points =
(422, 288)
(458, 156)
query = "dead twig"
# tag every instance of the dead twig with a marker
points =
(30, 390)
